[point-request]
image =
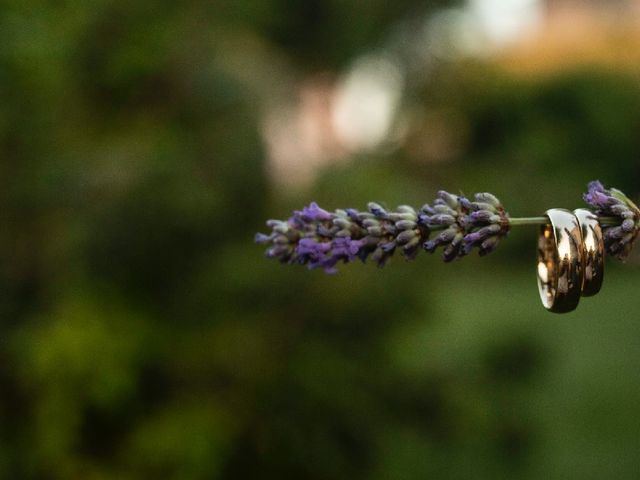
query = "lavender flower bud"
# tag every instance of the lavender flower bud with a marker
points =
(406, 225)
(488, 245)
(628, 225)
(343, 223)
(618, 239)
(454, 249)
(443, 238)
(486, 197)
(406, 209)
(450, 199)
(442, 219)
(405, 237)
(375, 231)
(481, 216)
(376, 209)
(370, 222)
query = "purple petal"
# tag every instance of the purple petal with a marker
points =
(354, 246)
(596, 185)
(353, 214)
(344, 248)
(467, 204)
(597, 196)
(481, 216)
(314, 213)
(472, 238)
(312, 248)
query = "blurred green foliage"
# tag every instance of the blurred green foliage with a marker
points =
(143, 334)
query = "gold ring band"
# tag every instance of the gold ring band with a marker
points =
(592, 251)
(560, 261)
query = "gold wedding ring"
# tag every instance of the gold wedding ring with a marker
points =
(570, 258)
(592, 251)
(560, 261)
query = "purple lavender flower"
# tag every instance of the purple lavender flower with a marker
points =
(480, 224)
(618, 239)
(320, 239)
(314, 212)
(487, 223)
(446, 213)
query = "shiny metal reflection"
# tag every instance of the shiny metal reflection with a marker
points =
(560, 269)
(593, 251)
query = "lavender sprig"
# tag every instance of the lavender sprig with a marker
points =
(620, 237)
(320, 239)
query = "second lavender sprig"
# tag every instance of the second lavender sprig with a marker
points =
(620, 236)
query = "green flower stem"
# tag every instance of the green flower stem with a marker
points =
(544, 220)
(528, 221)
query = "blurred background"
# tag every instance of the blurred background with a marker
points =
(143, 333)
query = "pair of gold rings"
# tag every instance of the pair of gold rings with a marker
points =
(570, 259)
